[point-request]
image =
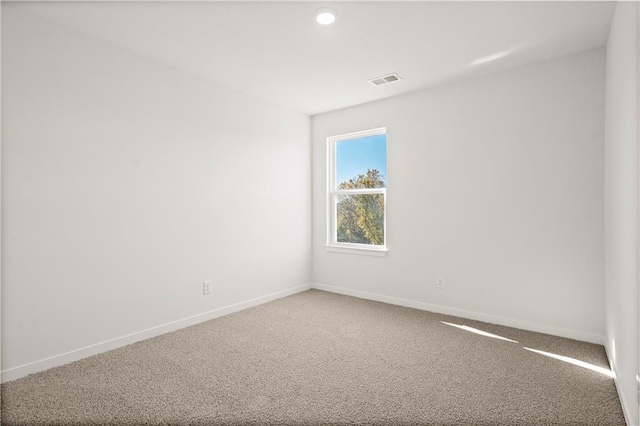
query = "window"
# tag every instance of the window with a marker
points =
(357, 192)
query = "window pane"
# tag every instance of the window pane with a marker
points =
(360, 219)
(361, 163)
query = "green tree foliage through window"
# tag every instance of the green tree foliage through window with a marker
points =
(360, 217)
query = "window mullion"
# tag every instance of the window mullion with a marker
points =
(359, 191)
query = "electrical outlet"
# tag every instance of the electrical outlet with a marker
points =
(440, 282)
(206, 287)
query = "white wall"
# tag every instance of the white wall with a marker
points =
(126, 183)
(621, 203)
(494, 183)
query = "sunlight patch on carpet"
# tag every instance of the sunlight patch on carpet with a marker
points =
(577, 362)
(476, 331)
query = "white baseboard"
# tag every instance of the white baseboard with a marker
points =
(623, 400)
(478, 316)
(98, 348)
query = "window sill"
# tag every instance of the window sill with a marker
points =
(366, 251)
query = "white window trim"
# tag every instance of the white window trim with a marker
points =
(333, 245)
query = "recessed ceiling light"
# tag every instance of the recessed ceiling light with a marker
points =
(326, 17)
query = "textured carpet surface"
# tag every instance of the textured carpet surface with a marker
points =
(320, 358)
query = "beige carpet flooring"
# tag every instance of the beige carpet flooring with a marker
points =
(319, 358)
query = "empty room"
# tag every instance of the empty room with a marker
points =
(320, 213)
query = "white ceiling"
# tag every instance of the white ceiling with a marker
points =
(276, 50)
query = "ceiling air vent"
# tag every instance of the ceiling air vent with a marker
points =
(379, 81)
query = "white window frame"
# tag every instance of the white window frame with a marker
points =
(332, 193)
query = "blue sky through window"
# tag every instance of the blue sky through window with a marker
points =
(355, 156)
